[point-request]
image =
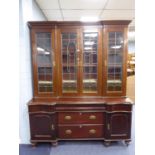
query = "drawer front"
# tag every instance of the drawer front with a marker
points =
(81, 118)
(81, 131)
(41, 108)
(119, 108)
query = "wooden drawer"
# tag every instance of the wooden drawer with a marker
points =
(119, 108)
(81, 118)
(81, 131)
(41, 108)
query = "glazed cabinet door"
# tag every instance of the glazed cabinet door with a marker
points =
(118, 125)
(70, 59)
(81, 61)
(43, 58)
(91, 61)
(115, 51)
(42, 126)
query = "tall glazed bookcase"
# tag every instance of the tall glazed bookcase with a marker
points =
(79, 82)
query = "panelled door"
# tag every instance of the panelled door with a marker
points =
(80, 61)
(42, 126)
(118, 125)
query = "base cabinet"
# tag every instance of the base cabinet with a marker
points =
(94, 121)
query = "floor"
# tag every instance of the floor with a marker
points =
(81, 147)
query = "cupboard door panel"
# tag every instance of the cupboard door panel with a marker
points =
(42, 126)
(119, 125)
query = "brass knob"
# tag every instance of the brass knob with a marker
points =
(68, 117)
(92, 131)
(92, 117)
(68, 132)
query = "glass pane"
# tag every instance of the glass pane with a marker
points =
(44, 59)
(115, 58)
(69, 62)
(90, 49)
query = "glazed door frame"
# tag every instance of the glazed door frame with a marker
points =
(80, 61)
(60, 60)
(35, 63)
(92, 30)
(106, 30)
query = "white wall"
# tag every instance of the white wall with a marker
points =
(28, 11)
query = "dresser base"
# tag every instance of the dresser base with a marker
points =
(106, 119)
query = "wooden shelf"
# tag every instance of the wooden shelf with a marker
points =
(45, 82)
(114, 81)
(45, 65)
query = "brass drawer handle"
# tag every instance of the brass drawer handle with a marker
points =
(68, 117)
(68, 132)
(92, 131)
(92, 117)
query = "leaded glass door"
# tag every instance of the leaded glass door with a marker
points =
(81, 61)
(70, 59)
(91, 68)
(115, 63)
(44, 63)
